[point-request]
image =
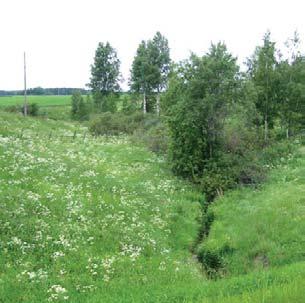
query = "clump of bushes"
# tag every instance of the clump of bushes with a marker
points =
(32, 109)
(212, 262)
(80, 109)
(154, 136)
(116, 123)
(147, 129)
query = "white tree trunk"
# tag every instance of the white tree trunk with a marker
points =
(266, 129)
(144, 104)
(158, 104)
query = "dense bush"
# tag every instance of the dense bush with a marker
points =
(147, 129)
(115, 124)
(207, 87)
(13, 109)
(212, 262)
(154, 136)
(80, 109)
(105, 102)
(216, 138)
(32, 109)
(129, 105)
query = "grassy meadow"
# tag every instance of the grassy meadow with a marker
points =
(50, 106)
(86, 219)
(44, 100)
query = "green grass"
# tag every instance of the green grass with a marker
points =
(94, 216)
(262, 228)
(52, 107)
(40, 100)
(103, 220)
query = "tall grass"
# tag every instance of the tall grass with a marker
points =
(89, 219)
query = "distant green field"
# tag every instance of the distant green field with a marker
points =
(40, 100)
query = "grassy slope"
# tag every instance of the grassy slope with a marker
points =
(263, 228)
(107, 222)
(96, 217)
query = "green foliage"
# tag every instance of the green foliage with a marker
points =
(211, 261)
(105, 103)
(100, 218)
(262, 70)
(159, 57)
(13, 109)
(129, 105)
(79, 108)
(154, 135)
(291, 88)
(105, 71)
(264, 226)
(140, 71)
(150, 69)
(215, 115)
(280, 86)
(116, 124)
(32, 109)
(206, 88)
(56, 112)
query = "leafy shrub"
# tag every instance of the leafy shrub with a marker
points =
(154, 136)
(115, 124)
(55, 112)
(251, 172)
(215, 180)
(13, 109)
(32, 109)
(79, 108)
(276, 153)
(129, 105)
(105, 103)
(211, 261)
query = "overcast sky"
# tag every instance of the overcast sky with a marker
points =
(60, 36)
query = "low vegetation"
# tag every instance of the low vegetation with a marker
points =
(87, 219)
(189, 188)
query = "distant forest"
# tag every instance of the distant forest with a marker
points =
(44, 91)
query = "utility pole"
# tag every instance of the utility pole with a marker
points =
(25, 108)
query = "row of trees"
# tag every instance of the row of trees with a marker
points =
(268, 72)
(38, 91)
(279, 83)
(216, 116)
(149, 73)
(220, 119)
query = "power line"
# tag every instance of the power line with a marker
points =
(25, 96)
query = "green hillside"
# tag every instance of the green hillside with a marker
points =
(262, 228)
(86, 219)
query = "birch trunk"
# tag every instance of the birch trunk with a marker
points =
(144, 104)
(158, 104)
(266, 128)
